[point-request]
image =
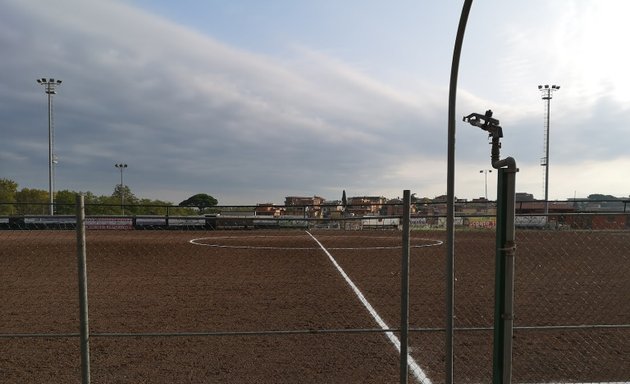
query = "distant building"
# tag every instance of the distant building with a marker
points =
(439, 207)
(365, 205)
(480, 206)
(332, 209)
(523, 196)
(395, 207)
(268, 209)
(304, 206)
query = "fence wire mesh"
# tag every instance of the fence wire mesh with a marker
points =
(572, 306)
(185, 301)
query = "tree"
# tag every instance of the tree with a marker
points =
(124, 191)
(125, 198)
(101, 205)
(8, 192)
(200, 201)
(32, 201)
(65, 202)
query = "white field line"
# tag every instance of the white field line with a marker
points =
(413, 365)
(415, 369)
(199, 241)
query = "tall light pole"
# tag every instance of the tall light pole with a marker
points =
(122, 186)
(547, 94)
(50, 88)
(485, 173)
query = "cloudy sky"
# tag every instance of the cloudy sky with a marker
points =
(251, 101)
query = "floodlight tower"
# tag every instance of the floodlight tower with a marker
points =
(547, 94)
(122, 186)
(50, 88)
(485, 174)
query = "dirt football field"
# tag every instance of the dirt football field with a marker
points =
(297, 306)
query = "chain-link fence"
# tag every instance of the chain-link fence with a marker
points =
(310, 297)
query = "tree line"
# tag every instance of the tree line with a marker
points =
(30, 201)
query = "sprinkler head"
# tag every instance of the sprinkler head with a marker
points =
(485, 122)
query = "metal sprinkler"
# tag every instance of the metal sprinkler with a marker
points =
(505, 248)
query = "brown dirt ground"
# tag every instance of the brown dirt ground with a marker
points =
(158, 282)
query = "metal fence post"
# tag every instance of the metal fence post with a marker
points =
(83, 299)
(404, 291)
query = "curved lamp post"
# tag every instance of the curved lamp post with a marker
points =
(450, 193)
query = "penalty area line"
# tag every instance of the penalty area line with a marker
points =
(415, 369)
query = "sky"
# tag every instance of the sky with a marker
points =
(252, 101)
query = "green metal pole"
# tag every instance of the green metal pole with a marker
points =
(83, 297)
(505, 249)
(504, 277)
(404, 290)
(499, 287)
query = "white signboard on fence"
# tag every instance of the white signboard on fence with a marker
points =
(108, 223)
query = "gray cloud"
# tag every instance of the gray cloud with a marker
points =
(188, 113)
(191, 114)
